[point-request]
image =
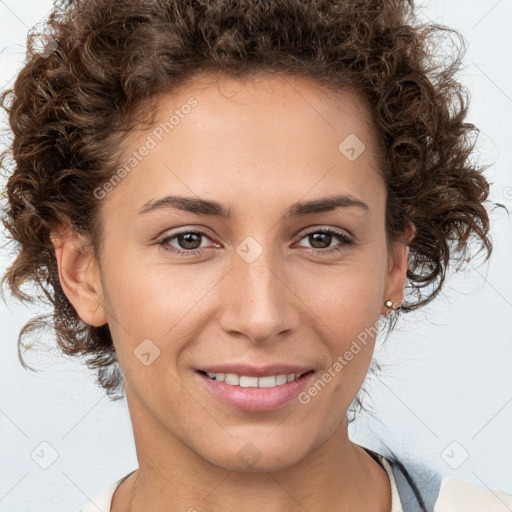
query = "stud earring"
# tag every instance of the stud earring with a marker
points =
(388, 303)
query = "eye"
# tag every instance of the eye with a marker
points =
(190, 241)
(322, 238)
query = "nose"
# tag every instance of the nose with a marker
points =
(258, 300)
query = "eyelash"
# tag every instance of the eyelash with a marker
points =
(342, 237)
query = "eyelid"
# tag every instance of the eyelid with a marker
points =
(306, 231)
(319, 228)
(343, 236)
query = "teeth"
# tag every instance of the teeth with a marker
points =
(281, 379)
(265, 382)
(247, 381)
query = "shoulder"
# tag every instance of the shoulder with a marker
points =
(103, 501)
(460, 496)
(444, 494)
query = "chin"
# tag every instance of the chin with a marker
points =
(256, 454)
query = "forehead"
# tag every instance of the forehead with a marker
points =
(272, 101)
(253, 136)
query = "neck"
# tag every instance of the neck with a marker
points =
(336, 476)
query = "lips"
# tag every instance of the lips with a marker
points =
(255, 399)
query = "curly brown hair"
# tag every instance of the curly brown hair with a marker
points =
(70, 110)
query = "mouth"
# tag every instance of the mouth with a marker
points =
(252, 393)
(253, 381)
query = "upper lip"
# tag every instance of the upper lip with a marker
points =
(257, 371)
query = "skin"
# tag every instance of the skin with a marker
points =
(259, 147)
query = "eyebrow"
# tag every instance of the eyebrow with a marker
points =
(216, 209)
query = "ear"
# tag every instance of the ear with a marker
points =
(79, 275)
(397, 268)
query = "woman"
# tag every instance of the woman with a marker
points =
(222, 201)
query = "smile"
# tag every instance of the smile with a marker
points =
(248, 381)
(251, 393)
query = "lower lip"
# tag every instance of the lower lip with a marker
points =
(256, 399)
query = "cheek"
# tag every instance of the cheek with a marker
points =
(348, 296)
(155, 301)
(163, 301)
(346, 304)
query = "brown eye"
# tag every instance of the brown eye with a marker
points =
(189, 242)
(321, 239)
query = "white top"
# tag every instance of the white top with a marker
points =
(454, 496)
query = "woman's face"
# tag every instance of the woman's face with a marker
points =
(259, 285)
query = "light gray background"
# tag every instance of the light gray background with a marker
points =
(447, 386)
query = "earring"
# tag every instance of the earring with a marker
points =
(388, 303)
